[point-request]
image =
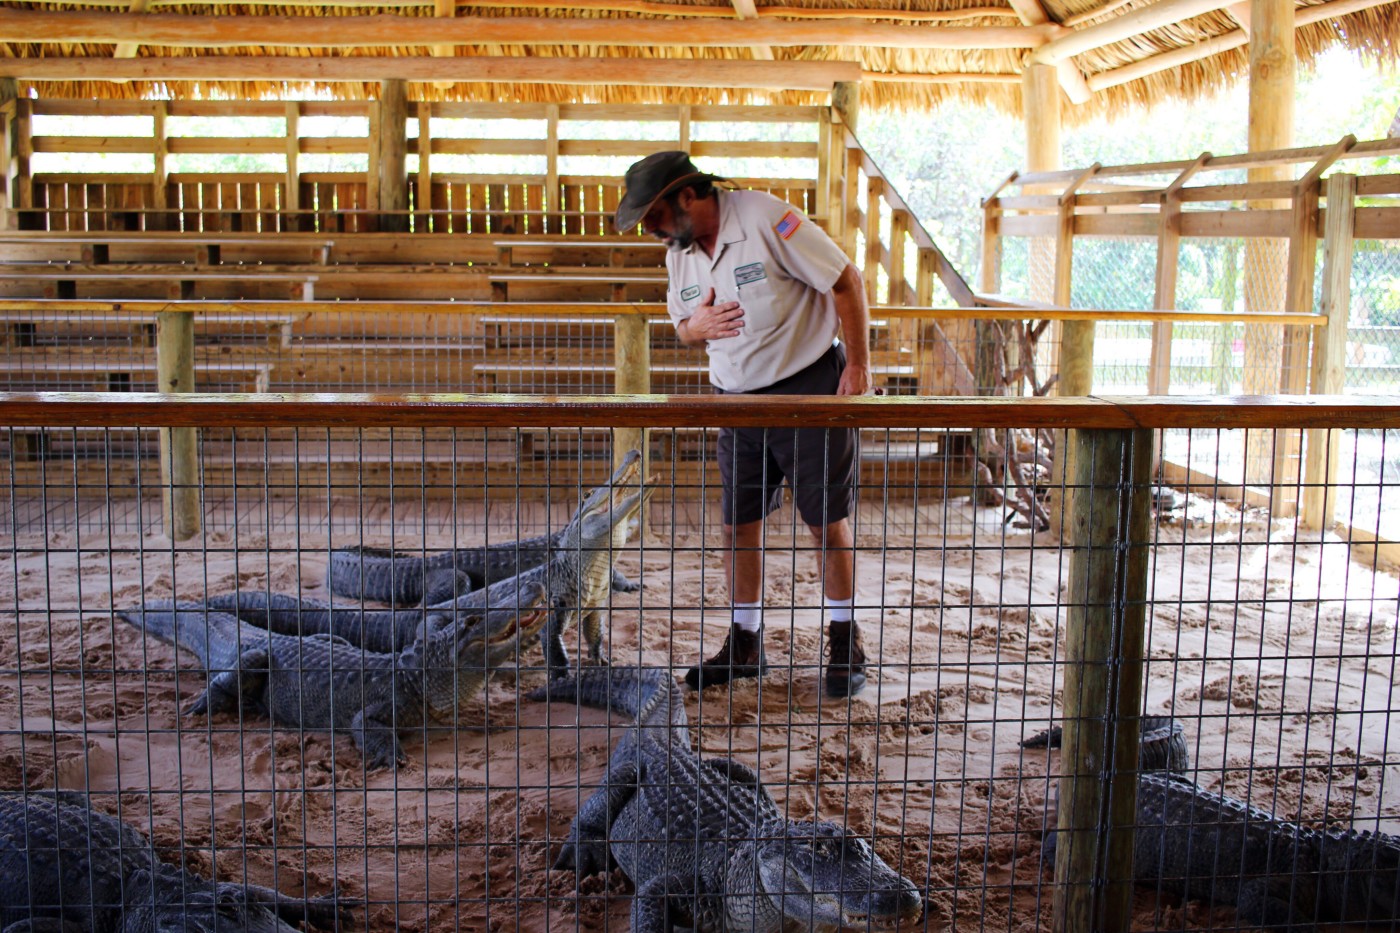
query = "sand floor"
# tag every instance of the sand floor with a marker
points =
(1279, 656)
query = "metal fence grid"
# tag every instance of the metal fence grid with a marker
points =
(1275, 653)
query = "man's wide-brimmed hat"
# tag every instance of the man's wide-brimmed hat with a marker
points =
(658, 174)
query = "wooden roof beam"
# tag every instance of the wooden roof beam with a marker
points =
(667, 72)
(1134, 23)
(1221, 43)
(1033, 13)
(173, 30)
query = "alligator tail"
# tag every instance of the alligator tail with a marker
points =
(213, 637)
(646, 694)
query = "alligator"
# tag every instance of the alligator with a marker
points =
(1211, 847)
(66, 868)
(701, 839)
(324, 682)
(1162, 748)
(380, 630)
(386, 576)
(576, 574)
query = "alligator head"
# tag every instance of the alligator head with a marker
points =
(1361, 876)
(822, 876)
(605, 516)
(461, 649)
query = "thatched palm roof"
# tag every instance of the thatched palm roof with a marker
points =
(910, 53)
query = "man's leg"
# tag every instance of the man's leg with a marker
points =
(845, 670)
(748, 496)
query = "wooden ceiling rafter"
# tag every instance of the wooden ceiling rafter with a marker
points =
(174, 30)
(670, 72)
(644, 7)
(1223, 43)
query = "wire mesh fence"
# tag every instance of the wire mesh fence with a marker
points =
(1273, 651)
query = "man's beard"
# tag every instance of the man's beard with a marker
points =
(683, 232)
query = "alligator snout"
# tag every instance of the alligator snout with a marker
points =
(898, 906)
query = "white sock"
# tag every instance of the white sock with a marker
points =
(748, 616)
(839, 610)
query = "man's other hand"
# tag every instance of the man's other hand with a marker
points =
(856, 380)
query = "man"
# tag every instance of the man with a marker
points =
(766, 292)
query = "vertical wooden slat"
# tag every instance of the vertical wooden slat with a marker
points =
(424, 180)
(291, 185)
(1076, 337)
(1168, 256)
(552, 195)
(874, 188)
(852, 225)
(160, 176)
(1319, 505)
(476, 202)
(372, 176)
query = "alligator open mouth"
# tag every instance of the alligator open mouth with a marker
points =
(529, 624)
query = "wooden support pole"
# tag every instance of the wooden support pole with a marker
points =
(1272, 69)
(9, 91)
(24, 151)
(1104, 642)
(632, 359)
(845, 98)
(179, 447)
(1319, 505)
(393, 154)
(1159, 366)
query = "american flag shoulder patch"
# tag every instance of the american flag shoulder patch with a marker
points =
(788, 225)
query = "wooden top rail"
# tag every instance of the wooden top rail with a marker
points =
(140, 409)
(54, 307)
(626, 241)
(1362, 150)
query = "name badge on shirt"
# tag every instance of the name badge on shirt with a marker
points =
(690, 292)
(747, 275)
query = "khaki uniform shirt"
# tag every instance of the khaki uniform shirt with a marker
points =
(780, 267)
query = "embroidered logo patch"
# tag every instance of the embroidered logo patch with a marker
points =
(788, 225)
(747, 275)
(689, 292)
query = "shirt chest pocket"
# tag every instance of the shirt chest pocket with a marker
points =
(758, 296)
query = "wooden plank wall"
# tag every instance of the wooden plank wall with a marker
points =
(503, 201)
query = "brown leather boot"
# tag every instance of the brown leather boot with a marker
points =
(845, 660)
(741, 656)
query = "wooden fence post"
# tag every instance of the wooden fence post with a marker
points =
(632, 362)
(1104, 639)
(1319, 504)
(179, 447)
(1159, 366)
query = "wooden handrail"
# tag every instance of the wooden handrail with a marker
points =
(1004, 311)
(139, 409)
